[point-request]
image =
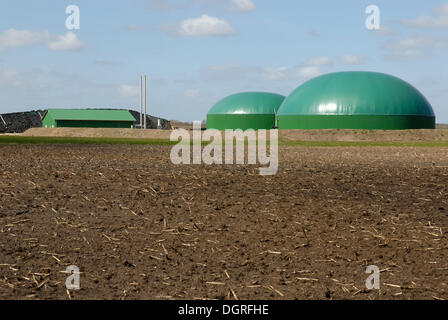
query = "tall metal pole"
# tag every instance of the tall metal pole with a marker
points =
(149, 97)
(141, 102)
(145, 104)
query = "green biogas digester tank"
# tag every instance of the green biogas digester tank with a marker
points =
(247, 110)
(356, 100)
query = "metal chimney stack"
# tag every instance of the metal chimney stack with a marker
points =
(141, 102)
(145, 104)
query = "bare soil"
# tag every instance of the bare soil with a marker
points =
(98, 133)
(286, 135)
(140, 227)
(364, 135)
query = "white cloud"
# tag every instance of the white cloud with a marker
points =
(424, 21)
(384, 31)
(313, 67)
(128, 91)
(205, 26)
(350, 59)
(319, 61)
(242, 5)
(309, 69)
(309, 72)
(18, 38)
(413, 46)
(69, 42)
(275, 73)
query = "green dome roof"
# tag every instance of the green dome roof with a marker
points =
(356, 93)
(356, 100)
(246, 110)
(248, 103)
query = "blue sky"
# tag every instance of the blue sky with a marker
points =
(196, 52)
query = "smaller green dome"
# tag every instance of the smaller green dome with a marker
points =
(246, 110)
(248, 103)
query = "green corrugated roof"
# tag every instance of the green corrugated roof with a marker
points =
(91, 114)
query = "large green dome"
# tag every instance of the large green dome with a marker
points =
(246, 110)
(356, 100)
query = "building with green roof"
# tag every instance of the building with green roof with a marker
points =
(87, 118)
(246, 110)
(356, 100)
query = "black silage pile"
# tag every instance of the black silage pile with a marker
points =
(18, 122)
(152, 122)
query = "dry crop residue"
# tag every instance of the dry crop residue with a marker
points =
(139, 227)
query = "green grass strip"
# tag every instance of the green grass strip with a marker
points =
(6, 139)
(364, 143)
(76, 140)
